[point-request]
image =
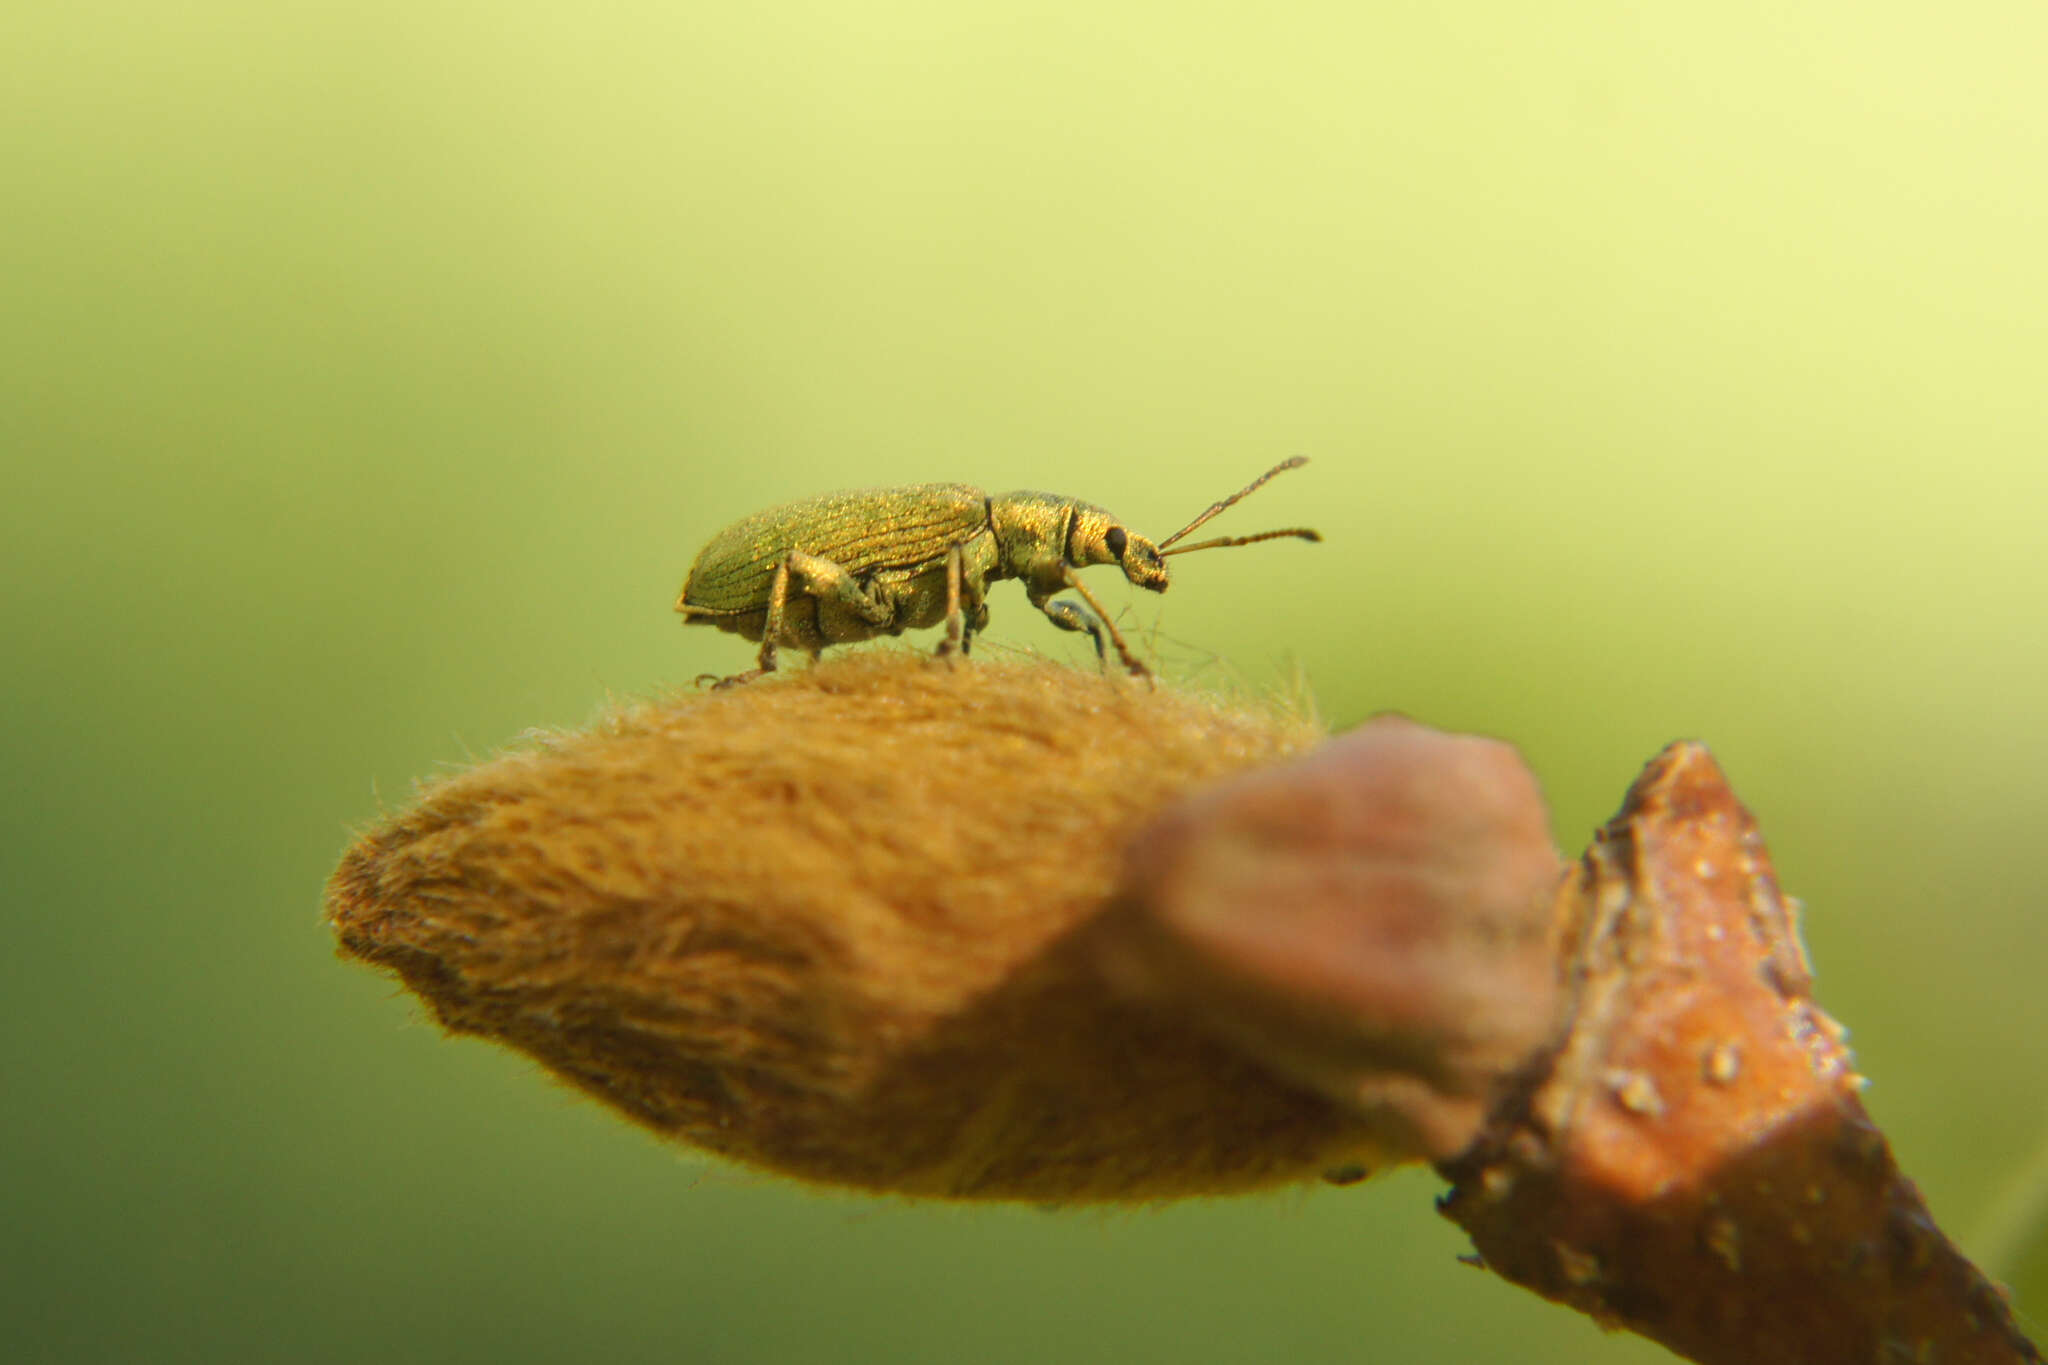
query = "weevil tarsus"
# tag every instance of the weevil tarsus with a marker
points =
(719, 684)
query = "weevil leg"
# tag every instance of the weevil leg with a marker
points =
(736, 679)
(830, 583)
(1116, 637)
(807, 575)
(956, 629)
(771, 629)
(1067, 616)
(771, 634)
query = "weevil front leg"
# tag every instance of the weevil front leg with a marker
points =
(1067, 616)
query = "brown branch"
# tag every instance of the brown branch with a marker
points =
(1695, 1164)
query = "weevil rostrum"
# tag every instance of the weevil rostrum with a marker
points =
(851, 566)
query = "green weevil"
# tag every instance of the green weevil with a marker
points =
(879, 561)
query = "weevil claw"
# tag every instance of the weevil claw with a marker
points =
(734, 681)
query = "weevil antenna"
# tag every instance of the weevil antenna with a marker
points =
(1297, 532)
(1239, 496)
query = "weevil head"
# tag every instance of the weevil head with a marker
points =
(1098, 537)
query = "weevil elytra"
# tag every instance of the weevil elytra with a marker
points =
(879, 561)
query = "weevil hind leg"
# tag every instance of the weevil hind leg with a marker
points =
(843, 608)
(851, 601)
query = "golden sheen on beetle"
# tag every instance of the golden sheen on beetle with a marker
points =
(850, 566)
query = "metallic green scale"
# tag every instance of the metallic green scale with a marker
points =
(851, 566)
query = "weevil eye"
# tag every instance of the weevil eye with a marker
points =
(1116, 538)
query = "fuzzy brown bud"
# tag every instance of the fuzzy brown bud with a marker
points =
(828, 925)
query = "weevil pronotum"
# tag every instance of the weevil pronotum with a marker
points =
(879, 561)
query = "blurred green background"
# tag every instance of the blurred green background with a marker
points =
(370, 373)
